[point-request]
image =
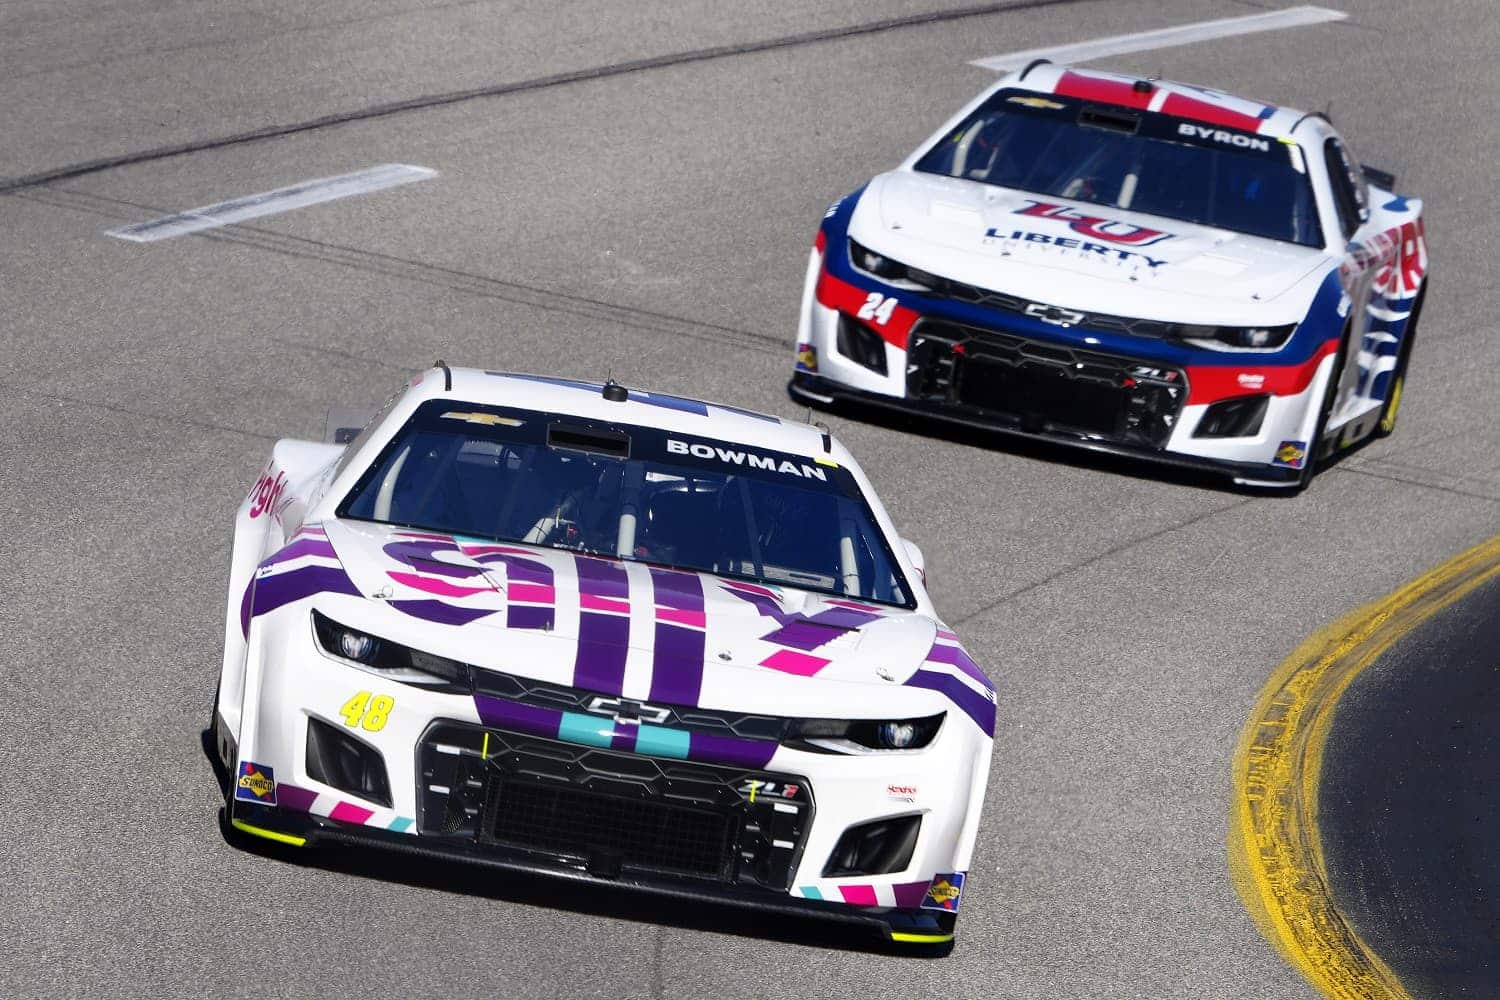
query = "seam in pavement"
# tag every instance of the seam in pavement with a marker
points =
(390, 108)
(166, 418)
(1115, 550)
(1391, 478)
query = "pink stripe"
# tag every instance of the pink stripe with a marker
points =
(440, 587)
(792, 662)
(426, 536)
(486, 550)
(532, 593)
(593, 602)
(697, 619)
(859, 895)
(751, 588)
(347, 812)
(941, 634)
(852, 604)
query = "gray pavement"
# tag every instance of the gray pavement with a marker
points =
(654, 225)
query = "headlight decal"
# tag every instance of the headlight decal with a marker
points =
(307, 565)
(950, 671)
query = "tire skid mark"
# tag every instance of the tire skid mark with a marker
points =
(1275, 854)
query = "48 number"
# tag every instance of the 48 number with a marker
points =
(364, 711)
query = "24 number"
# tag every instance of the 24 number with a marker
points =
(363, 710)
(878, 307)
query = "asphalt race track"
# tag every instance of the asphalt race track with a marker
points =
(632, 190)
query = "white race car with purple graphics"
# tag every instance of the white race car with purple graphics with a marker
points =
(1131, 266)
(598, 633)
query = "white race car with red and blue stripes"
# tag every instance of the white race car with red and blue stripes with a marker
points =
(1131, 266)
(563, 628)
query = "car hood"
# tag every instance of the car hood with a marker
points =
(1128, 264)
(605, 624)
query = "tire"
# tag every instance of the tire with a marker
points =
(1387, 425)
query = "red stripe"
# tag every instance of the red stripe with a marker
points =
(820, 241)
(1094, 88)
(1182, 106)
(1211, 383)
(838, 294)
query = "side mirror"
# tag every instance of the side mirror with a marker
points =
(919, 561)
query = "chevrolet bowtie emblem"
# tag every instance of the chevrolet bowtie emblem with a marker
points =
(1055, 315)
(630, 713)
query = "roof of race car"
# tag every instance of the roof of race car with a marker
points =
(1180, 100)
(550, 394)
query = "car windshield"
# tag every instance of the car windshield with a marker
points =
(1134, 160)
(636, 493)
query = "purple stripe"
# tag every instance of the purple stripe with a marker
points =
(711, 749)
(603, 639)
(529, 616)
(277, 590)
(677, 659)
(305, 546)
(956, 657)
(602, 645)
(804, 635)
(973, 704)
(294, 798)
(763, 604)
(504, 714)
(602, 577)
(909, 895)
(624, 738)
(845, 618)
(439, 611)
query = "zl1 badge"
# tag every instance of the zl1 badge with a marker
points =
(255, 783)
(944, 893)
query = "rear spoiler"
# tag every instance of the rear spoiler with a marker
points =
(1380, 178)
(343, 423)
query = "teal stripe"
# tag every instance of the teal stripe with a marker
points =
(659, 741)
(590, 730)
(811, 893)
(401, 824)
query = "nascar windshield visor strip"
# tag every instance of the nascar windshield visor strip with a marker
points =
(609, 635)
(1131, 266)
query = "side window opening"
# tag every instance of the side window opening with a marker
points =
(1348, 188)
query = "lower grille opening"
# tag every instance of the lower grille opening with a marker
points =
(606, 831)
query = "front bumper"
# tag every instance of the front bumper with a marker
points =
(899, 926)
(814, 390)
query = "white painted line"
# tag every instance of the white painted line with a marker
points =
(272, 202)
(1164, 38)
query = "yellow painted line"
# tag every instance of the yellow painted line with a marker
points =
(1275, 852)
(908, 938)
(260, 831)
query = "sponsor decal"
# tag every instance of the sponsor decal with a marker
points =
(1228, 138)
(1251, 380)
(269, 495)
(731, 456)
(1036, 102)
(1292, 454)
(255, 783)
(807, 358)
(756, 789)
(1068, 243)
(1096, 227)
(945, 892)
(902, 793)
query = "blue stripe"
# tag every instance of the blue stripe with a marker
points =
(590, 730)
(659, 741)
(810, 892)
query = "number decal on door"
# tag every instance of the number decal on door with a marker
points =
(878, 308)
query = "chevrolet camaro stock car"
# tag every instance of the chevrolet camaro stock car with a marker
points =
(603, 634)
(1130, 266)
